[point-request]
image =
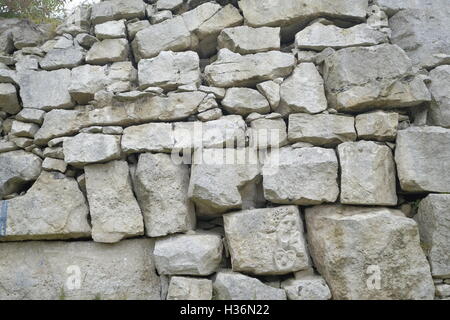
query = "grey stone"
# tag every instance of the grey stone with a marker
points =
(115, 213)
(183, 288)
(233, 70)
(321, 129)
(107, 51)
(127, 265)
(51, 164)
(151, 137)
(8, 98)
(86, 148)
(247, 40)
(235, 286)
(194, 254)
(267, 133)
(271, 90)
(31, 115)
(86, 81)
(53, 208)
(307, 288)
(439, 112)
(353, 246)
(63, 58)
(161, 188)
(304, 176)
(23, 129)
(16, 169)
(367, 174)
(379, 125)
(267, 241)
(244, 101)
(116, 10)
(422, 156)
(111, 30)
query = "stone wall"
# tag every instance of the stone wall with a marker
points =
(252, 149)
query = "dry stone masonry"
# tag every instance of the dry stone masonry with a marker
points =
(251, 149)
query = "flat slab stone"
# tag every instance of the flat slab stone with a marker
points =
(439, 112)
(115, 213)
(116, 10)
(266, 241)
(53, 208)
(78, 271)
(196, 254)
(353, 246)
(247, 40)
(183, 288)
(378, 125)
(422, 156)
(107, 51)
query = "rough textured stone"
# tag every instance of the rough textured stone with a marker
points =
(51, 164)
(161, 188)
(303, 176)
(367, 77)
(16, 169)
(244, 101)
(86, 81)
(271, 90)
(169, 70)
(303, 91)
(284, 12)
(321, 129)
(31, 115)
(23, 129)
(170, 35)
(439, 112)
(319, 36)
(367, 174)
(128, 266)
(308, 288)
(423, 159)
(247, 40)
(423, 34)
(267, 133)
(54, 208)
(107, 51)
(116, 10)
(235, 286)
(217, 177)
(266, 241)
(8, 98)
(86, 148)
(58, 58)
(111, 30)
(152, 137)
(45, 90)
(183, 288)
(115, 213)
(434, 222)
(379, 125)
(196, 254)
(349, 245)
(232, 69)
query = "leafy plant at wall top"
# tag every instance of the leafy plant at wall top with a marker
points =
(38, 11)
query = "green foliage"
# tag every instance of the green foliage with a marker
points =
(38, 11)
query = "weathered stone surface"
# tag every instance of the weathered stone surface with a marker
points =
(217, 177)
(152, 137)
(170, 35)
(423, 34)
(271, 90)
(321, 129)
(422, 156)
(111, 30)
(308, 288)
(135, 27)
(350, 245)
(183, 288)
(86, 81)
(128, 267)
(211, 114)
(367, 174)
(8, 98)
(319, 36)
(31, 115)
(230, 285)
(16, 169)
(247, 40)
(439, 112)
(59, 123)
(45, 90)
(51, 164)
(107, 51)
(54, 208)
(267, 133)
(284, 12)
(58, 58)
(195, 254)
(169, 70)
(391, 7)
(244, 101)
(115, 213)
(85, 40)
(232, 69)
(266, 241)
(367, 77)
(303, 91)
(116, 10)
(434, 222)
(161, 188)
(379, 125)
(23, 129)
(303, 176)
(168, 4)
(86, 148)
